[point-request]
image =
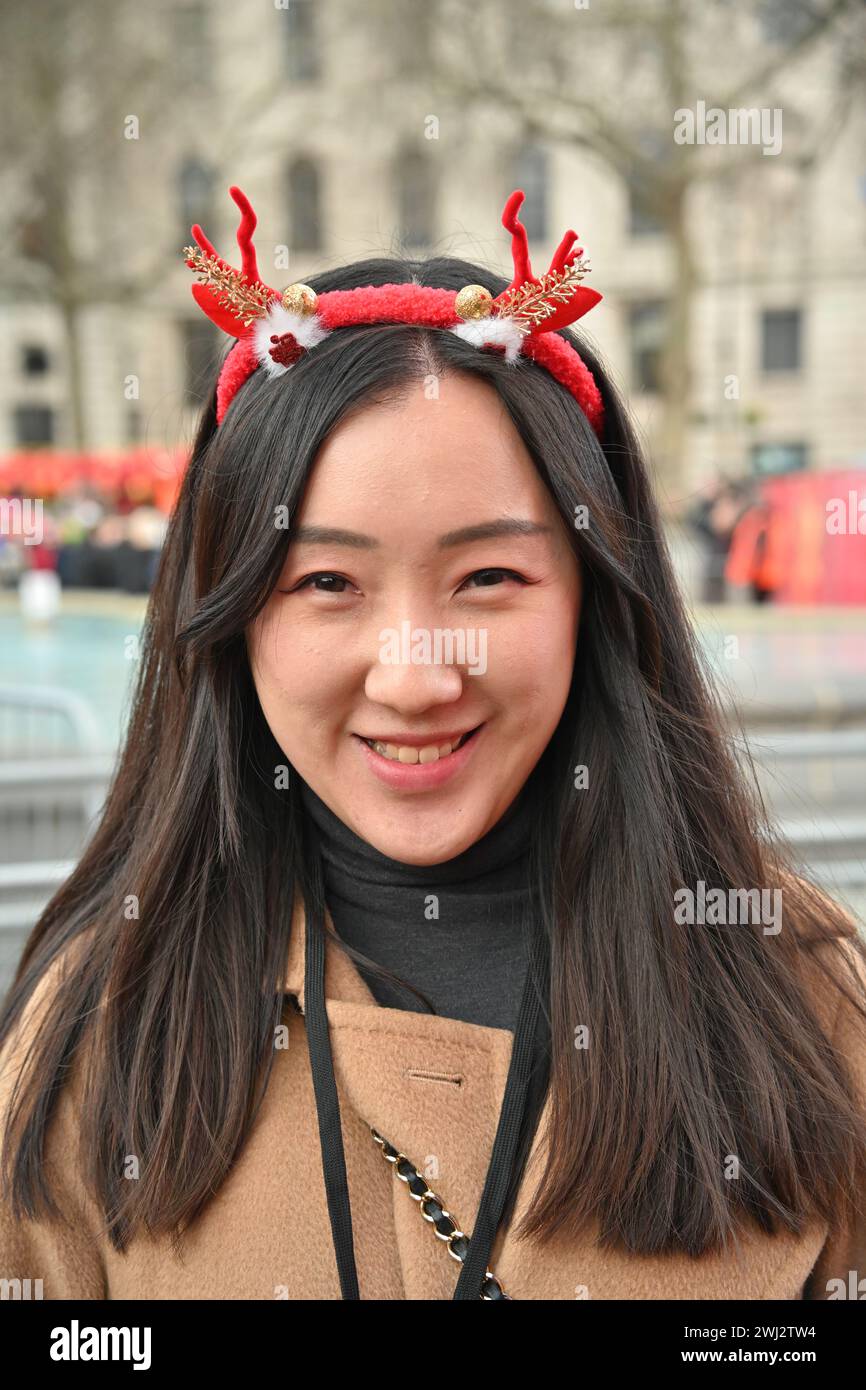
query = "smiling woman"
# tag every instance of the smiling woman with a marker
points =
(609, 1098)
(322, 696)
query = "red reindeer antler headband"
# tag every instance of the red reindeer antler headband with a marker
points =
(275, 328)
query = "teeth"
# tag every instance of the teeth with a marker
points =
(430, 753)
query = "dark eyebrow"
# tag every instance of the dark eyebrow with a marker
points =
(485, 530)
(331, 535)
(490, 530)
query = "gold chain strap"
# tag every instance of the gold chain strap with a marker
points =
(433, 1210)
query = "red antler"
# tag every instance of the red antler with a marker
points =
(580, 299)
(519, 244)
(239, 294)
(561, 258)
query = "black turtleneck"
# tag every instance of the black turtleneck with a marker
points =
(469, 961)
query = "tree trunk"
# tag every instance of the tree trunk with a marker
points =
(76, 433)
(675, 365)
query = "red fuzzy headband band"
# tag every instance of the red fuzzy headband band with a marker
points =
(274, 329)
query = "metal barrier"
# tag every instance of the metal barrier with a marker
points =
(31, 716)
(28, 888)
(797, 745)
(53, 779)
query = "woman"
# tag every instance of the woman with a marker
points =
(357, 895)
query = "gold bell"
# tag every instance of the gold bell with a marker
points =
(300, 299)
(473, 302)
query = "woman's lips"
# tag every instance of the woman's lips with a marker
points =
(418, 776)
(420, 740)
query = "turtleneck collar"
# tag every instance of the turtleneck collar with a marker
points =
(454, 931)
(504, 846)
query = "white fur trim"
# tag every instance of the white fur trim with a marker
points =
(306, 328)
(502, 331)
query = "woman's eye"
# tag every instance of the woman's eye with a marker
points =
(329, 579)
(489, 578)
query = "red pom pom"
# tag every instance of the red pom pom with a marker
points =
(286, 349)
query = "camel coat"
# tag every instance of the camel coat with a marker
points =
(430, 1085)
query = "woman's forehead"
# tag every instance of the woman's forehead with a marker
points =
(460, 451)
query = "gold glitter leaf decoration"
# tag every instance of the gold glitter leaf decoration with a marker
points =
(248, 299)
(532, 303)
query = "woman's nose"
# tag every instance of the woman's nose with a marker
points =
(413, 668)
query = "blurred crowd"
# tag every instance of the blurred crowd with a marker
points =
(793, 538)
(96, 520)
(91, 540)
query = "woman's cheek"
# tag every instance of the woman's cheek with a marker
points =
(523, 652)
(279, 643)
(297, 668)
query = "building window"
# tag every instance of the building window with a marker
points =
(195, 189)
(202, 349)
(532, 175)
(34, 359)
(779, 458)
(415, 198)
(641, 220)
(192, 51)
(32, 238)
(780, 340)
(33, 424)
(305, 221)
(651, 162)
(302, 41)
(784, 23)
(413, 25)
(133, 425)
(646, 328)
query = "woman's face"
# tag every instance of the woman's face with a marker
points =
(429, 589)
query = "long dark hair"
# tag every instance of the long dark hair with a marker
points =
(705, 1041)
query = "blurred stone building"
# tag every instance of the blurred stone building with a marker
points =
(346, 151)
